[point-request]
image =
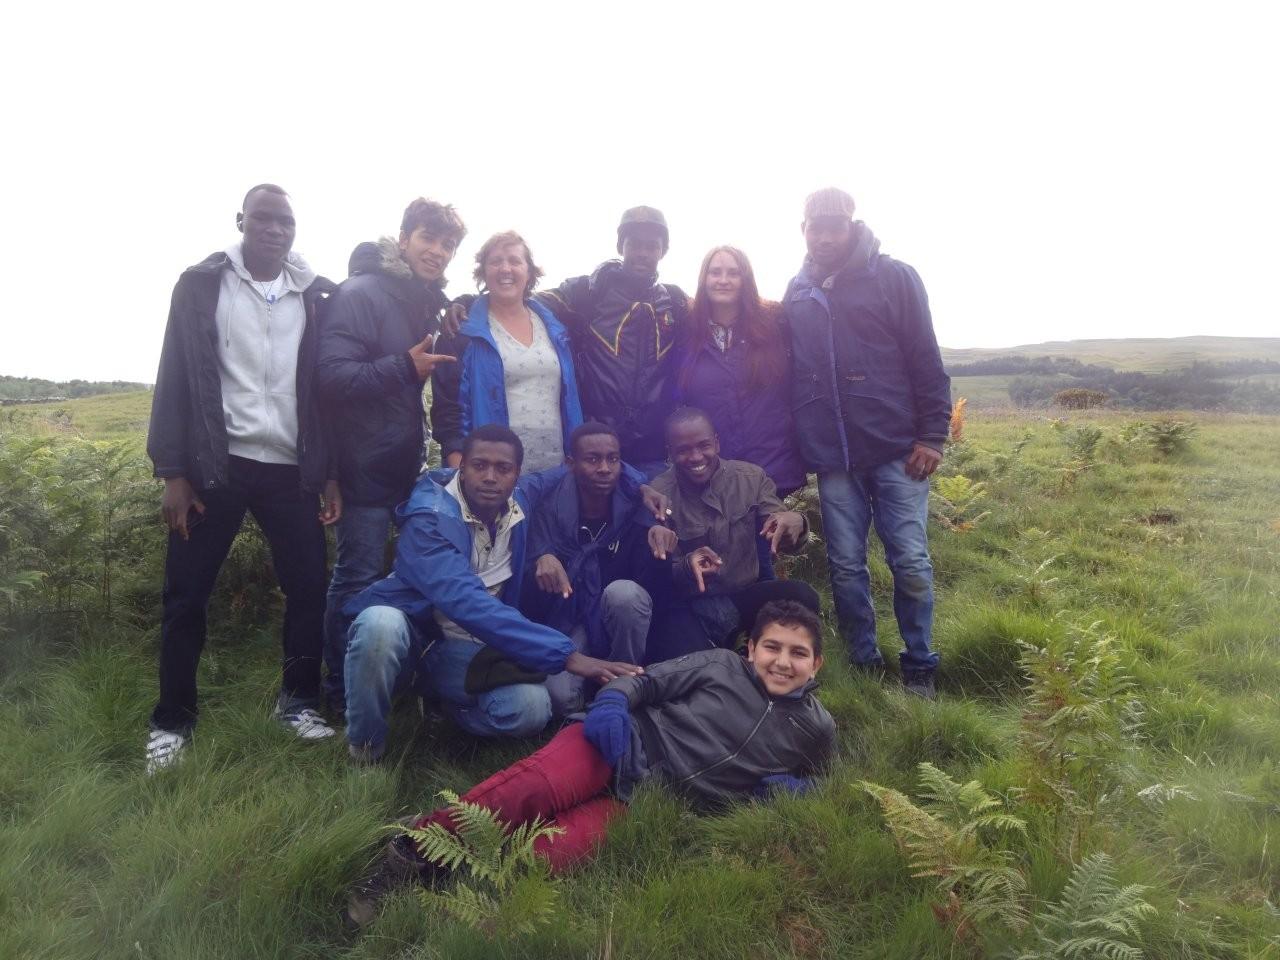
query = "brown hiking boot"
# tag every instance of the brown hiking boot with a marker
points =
(398, 867)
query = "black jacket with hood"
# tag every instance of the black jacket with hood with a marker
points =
(711, 731)
(367, 379)
(187, 436)
(622, 327)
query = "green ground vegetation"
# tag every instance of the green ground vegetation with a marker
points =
(1098, 777)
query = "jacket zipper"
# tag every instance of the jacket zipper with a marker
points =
(742, 746)
(821, 296)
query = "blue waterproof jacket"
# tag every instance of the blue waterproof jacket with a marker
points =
(475, 393)
(432, 570)
(867, 375)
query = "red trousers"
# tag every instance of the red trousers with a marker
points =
(563, 783)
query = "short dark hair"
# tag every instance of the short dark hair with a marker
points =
(268, 187)
(508, 238)
(685, 415)
(592, 428)
(494, 433)
(438, 218)
(789, 613)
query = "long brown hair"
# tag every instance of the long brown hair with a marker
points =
(758, 324)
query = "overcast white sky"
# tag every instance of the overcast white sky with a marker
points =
(1053, 171)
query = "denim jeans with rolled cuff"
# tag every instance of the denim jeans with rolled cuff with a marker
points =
(386, 655)
(898, 507)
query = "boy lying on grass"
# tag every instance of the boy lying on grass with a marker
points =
(710, 725)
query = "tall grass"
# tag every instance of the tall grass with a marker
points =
(246, 848)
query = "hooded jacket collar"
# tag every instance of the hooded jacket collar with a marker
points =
(384, 258)
(612, 273)
(298, 274)
(861, 259)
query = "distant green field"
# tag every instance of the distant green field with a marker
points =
(1149, 355)
(116, 415)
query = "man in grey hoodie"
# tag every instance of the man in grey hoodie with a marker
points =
(235, 428)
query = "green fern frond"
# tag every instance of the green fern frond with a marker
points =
(512, 891)
(1094, 919)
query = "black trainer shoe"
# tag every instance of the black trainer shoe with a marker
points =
(920, 685)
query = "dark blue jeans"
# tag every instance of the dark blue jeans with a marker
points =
(362, 544)
(899, 508)
(288, 518)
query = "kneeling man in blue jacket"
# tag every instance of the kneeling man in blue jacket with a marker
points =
(447, 612)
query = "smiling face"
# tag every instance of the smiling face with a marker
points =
(783, 658)
(268, 227)
(596, 462)
(427, 252)
(828, 240)
(694, 449)
(722, 281)
(506, 273)
(489, 472)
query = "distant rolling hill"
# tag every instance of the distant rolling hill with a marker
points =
(1146, 354)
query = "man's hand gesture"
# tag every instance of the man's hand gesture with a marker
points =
(551, 575)
(659, 504)
(424, 361)
(783, 529)
(662, 541)
(704, 562)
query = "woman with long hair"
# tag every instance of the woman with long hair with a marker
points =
(515, 364)
(732, 363)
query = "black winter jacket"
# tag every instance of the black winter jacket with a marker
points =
(187, 436)
(867, 375)
(711, 731)
(622, 327)
(368, 381)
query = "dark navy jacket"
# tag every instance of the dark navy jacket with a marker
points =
(867, 375)
(432, 571)
(368, 381)
(754, 423)
(623, 328)
(621, 552)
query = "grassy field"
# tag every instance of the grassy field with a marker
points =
(1149, 355)
(1092, 546)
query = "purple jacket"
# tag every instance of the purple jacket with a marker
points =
(754, 424)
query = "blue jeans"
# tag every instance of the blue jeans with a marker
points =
(385, 652)
(362, 544)
(899, 508)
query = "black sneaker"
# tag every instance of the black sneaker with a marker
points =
(920, 685)
(397, 868)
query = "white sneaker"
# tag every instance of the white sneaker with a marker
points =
(305, 723)
(164, 749)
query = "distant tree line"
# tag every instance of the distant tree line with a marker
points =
(33, 388)
(1204, 385)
